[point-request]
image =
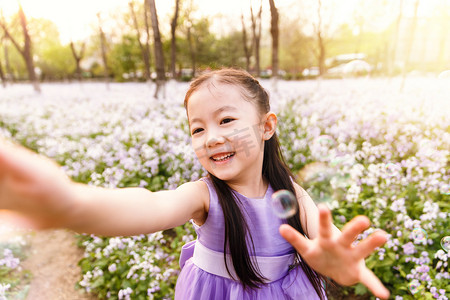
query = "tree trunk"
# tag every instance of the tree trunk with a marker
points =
(78, 58)
(173, 46)
(159, 57)
(256, 28)
(2, 75)
(103, 49)
(247, 50)
(9, 73)
(26, 52)
(147, 55)
(191, 50)
(145, 51)
(321, 55)
(410, 44)
(274, 31)
(393, 52)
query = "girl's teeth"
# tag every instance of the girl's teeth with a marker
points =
(222, 157)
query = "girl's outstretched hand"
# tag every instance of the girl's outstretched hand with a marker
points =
(336, 256)
(33, 189)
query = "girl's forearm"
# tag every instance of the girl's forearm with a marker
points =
(114, 212)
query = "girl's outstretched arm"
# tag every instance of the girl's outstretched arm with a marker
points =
(37, 189)
(335, 256)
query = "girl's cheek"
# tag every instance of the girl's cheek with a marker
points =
(199, 150)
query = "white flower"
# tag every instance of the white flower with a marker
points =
(125, 293)
(112, 268)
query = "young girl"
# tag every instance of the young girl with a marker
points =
(243, 251)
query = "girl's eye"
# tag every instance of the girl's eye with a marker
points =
(197, 130)
(227, 120)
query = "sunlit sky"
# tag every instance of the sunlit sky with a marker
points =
(75, 19)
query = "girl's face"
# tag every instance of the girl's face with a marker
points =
(227, 132)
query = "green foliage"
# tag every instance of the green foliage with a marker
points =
(12, 276)
(351, 175)
(125, 58)
(414, 215)
(56, 62)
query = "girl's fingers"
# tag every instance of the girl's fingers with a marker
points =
(352, 229)
(23, 163)
(368, 245)
(15, 219)
(15, 159)
(295, 238)
(325, 222)
(371, 281)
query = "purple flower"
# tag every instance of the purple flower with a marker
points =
(423, 269)
(409, 248)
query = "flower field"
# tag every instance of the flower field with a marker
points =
(360, 145)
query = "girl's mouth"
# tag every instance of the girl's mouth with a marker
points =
(222, 157)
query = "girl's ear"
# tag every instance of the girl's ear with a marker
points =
(269, 125)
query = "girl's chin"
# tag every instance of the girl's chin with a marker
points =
(225, 176)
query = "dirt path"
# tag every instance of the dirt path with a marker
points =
(53, 261)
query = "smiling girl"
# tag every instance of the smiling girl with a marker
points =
(243, 250)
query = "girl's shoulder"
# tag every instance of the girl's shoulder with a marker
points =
(198, 189)
(200, 192)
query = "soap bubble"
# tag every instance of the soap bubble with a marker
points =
(445, 189)
(284, 204)
(342, 160)
(321, 146)
(324, 141)
(414, 286)
(392, 169)
(444, 74)
(419, 236)
(445, 243)
(427, 148)
(315, 171)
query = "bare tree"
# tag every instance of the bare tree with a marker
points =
(145, 47)
(275, 37)
(2, 75)
(360, 20)
(9, 74)
(78, 57)
(393, 52)
(247, 49)
(192, 43)
(159, 57)
(256, 29)
(320, 40)
(25, 51)
(173, 45)
(410, 43)
(103, 49)
(444, 15)
(191, 49)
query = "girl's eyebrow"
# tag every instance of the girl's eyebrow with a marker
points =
(217, 111)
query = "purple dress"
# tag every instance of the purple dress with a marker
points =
(203, 274)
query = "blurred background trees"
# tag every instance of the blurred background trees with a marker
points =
(301, 39)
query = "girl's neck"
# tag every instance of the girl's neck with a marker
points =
(255, 188)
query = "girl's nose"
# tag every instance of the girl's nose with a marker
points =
(214, 138)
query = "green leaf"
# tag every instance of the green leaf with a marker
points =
(360, 289)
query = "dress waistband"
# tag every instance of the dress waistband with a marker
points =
(272, 268)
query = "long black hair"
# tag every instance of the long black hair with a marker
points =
(276, 172)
